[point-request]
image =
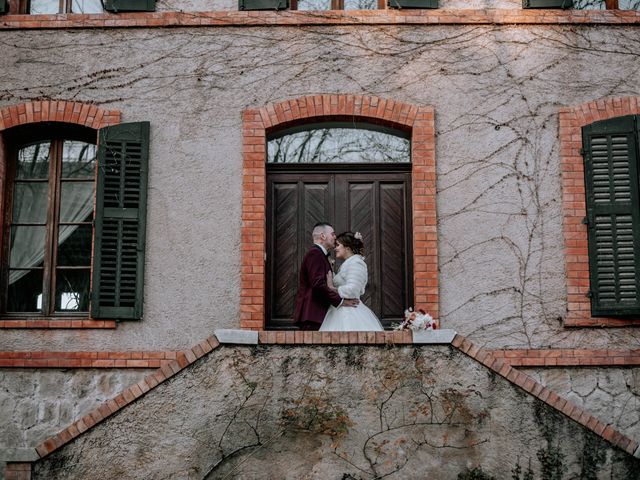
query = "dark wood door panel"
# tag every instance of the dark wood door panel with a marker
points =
(360, 212)
(284, 263)
(394, 261)
(375, 204)
(293, 207)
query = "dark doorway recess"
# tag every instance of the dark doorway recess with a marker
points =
(372, 199)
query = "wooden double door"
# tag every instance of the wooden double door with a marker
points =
(376, 203)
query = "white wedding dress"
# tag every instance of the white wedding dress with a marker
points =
(350, 282)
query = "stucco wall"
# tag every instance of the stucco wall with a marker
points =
(336, 412)
(496, 92)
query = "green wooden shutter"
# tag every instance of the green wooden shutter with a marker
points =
(116, 6)
(263, 4)
(613, 215)
(3, 6)
(413, 3)
(547, 3)
(121, 201)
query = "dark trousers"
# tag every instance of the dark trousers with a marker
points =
(309, 326)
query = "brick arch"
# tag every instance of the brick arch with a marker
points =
(571, 121)
(84, 114)
(257, 123)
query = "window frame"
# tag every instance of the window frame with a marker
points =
(21, 7)
(335, 5)
(572, 167)
(15, 139)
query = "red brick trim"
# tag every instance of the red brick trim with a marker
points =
(52, 324)
(17, 471)
(572, 119)
(57, 111)
(568, 357)
(86, 359)
(512, 16)
(502, 367)
(419, 120)
(129, 395)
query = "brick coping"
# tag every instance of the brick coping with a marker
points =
(527, 357)
(189, 356)
(287, 17)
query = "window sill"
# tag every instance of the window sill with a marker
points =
(56, 323)
(576, 321)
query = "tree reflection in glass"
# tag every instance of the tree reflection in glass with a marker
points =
(339, 145)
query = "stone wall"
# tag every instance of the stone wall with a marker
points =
(35, 404)
(348, 412)
(611, 394)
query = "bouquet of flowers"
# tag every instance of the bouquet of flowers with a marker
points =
(416, 320)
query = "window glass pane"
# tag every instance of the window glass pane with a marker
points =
(25, 291)
(33, 161)
(76, 202)
(74, 245)
(314, 4)
(339, 145)
(44, 6)
(30, 202)
(629, 4)
(72, 290)
(27, 247)
(86, 6)
(78, 160)
(589, 5)
(360, 4)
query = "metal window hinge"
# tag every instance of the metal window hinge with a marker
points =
(582, 152)
(589, 294)
(585, 221)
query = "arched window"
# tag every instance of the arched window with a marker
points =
(339, 143)
(73, 220)
(49, 219)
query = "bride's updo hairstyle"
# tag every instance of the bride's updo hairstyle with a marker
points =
(352, 241)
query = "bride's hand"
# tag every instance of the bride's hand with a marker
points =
(330, 280)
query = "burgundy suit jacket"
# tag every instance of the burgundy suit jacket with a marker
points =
(314, 297)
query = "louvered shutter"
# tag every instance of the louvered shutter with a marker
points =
(263, 4)
(613, 216)
(3, 6)
(413, 3)
(121, 201)
(547, 3)
(116, 6)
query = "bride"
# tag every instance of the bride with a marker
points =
(349, 283)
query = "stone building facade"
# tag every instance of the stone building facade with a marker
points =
(493, 98)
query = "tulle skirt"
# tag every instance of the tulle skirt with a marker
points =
(351, 319)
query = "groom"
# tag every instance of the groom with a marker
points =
(314, 296)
